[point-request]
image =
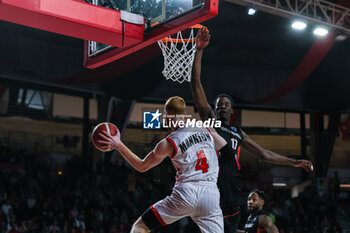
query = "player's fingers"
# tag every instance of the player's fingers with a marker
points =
(308, 166)
(103, 142)
(106, 134)
(307, 169)
(200, 32)
(204, 32)
(102, 135)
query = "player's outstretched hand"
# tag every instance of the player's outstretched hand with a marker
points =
(110, 141)
(306, 164)
(202, 38)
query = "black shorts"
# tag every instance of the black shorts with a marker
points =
(231, 222)
(230, 198)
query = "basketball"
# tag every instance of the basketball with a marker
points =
(107, 127)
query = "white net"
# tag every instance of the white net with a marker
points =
(178, 57)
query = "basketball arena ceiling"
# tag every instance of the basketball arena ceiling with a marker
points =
(258, 60)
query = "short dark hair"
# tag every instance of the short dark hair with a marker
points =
(261, 194)
(226, 96)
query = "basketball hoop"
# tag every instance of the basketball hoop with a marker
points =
(179, 55)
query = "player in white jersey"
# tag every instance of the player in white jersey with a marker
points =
(194, 150)
(193, 153)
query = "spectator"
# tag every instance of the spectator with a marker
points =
(6, 207)
(75, 202)
(54, 228)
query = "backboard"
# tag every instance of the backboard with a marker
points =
(162, 18)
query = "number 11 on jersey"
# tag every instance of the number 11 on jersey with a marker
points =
(202, 162)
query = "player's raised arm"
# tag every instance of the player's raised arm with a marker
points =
(161, 150)
(273, 157)
(219, 141)
(222, 147)
(200, 100)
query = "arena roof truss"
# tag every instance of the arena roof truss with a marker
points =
(318, 11)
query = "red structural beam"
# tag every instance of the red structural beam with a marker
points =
(344, 129)
(234, 117)
(73, 18)
(311, 61)
(2, 90)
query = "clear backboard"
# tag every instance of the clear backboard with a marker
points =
(162, 18)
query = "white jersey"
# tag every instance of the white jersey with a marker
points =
(195, 193)
(195, 157)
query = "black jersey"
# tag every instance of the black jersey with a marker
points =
(228, 183)
(252, 225)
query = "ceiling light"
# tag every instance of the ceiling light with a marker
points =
(319, 31)
(341, 37)
(299, 25)
(251, 11)
(279, 184)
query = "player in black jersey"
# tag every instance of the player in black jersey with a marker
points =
(229, 165)
(258, 220)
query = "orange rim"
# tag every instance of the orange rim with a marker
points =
(166, 39)
(178, 40)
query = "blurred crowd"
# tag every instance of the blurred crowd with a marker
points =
(36, 197)
(309, 212)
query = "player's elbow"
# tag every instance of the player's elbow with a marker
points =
(142, 168)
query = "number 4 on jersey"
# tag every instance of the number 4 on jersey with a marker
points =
(202, 162)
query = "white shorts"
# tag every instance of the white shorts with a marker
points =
(199, 201)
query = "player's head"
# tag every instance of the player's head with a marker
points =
(175, 105)
(223, 108)
(256, 200)
(174, 109)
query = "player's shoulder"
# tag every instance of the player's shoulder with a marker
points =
(232, 130)
(166, 146)
(264, 220)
